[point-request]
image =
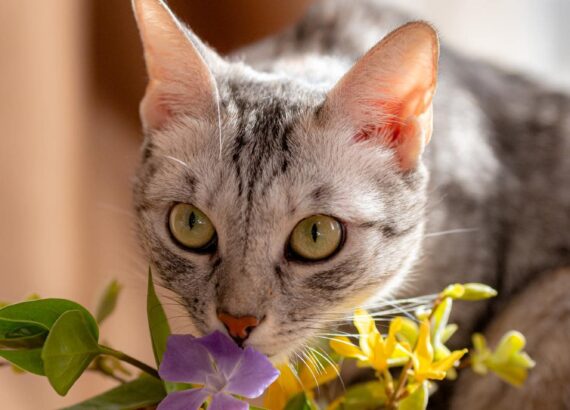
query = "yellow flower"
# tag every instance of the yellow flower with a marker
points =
(423, 358)
(374, 350)
(509, 361)
(289, 385)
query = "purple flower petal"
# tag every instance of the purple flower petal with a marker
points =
(223, 401)
(253, 375)
(185, 360)
(224, 350)
(184, 400)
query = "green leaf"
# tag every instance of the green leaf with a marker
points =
(140, 393)
(28, 360)
(157, 321)
(42, 313)
(159, 330)
(301, 402)
(108, 301)
(364, 396)
(418, 400)
(17, 335)
(68, 350)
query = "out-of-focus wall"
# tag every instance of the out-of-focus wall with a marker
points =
(71, 75)
(531, 36)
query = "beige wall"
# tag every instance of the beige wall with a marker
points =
(71, 75)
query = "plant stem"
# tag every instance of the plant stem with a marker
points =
(107, 374)
(131, 360)
(396, 395)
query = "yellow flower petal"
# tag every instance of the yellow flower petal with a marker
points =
(366, 327)
(285, 387)
(448, 362)
(344, 347)
(424, 349)
(395, 327)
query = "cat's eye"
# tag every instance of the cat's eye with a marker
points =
(316, 237)
(191, 227)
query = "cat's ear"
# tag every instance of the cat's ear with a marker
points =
(387, 95)
(180, 81)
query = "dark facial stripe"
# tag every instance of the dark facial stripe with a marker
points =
(387, 229)
(339, 278)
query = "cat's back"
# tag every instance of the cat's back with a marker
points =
(323, 45)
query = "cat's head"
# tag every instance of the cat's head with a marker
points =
(274, 206)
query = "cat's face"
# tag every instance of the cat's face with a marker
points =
(260, 196)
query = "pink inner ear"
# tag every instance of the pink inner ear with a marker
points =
(388, 131)
(391, 129)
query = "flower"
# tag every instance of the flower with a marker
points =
(373, 350)
(217, 364)
(423, 357)
(290, 383)
(508, 361)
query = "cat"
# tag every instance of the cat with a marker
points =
(284, 186)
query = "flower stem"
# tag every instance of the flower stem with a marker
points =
(400, 386)
(131, 360)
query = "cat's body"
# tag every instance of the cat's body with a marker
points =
(497, 210)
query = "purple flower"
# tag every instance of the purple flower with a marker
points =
(220, 366)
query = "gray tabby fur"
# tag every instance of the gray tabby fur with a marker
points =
(496, 208)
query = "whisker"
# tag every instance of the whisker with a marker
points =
(327, 358)
(450, 232)
(179, 161)
(309, 369)
(296, 374)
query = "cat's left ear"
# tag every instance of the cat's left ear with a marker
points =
(387, 95)
(180, 81)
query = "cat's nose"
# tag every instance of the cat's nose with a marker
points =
(239, 328)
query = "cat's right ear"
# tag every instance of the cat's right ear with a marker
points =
(180, 81)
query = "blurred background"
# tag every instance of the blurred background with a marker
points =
(71, 77)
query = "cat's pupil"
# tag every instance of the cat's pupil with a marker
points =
(192, 220)
(315, 232)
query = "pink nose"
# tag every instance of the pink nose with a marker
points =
(238, 327)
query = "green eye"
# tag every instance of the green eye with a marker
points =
(191, 227)
(316, 237)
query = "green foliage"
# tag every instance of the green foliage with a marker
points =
(69, 349)
(508, 361)
(36, 316)
(157, 321)
(142, 392)
(108, 301)
(19, 335)
(28, 360)
(301, 402)
(159, 329)
(363, 396)
(418, 400)
(58, 339)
